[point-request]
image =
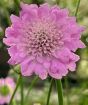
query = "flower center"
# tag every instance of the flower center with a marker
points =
(42, 38)
(43, 44)
(4, 90)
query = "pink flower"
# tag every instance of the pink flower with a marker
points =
(7, 86)
(43, 41)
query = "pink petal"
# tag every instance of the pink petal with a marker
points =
(57, 70)
(28, 12)
(74, 44)
(27, 67)
(15, 19)
(10, 41)
(41, 71)
(43, 10)
(72, 66)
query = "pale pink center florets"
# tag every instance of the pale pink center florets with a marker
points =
(42, 39)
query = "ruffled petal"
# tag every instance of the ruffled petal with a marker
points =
(27, 67)
(41, 71)
(57, 69)
(72, 66)
(15, 19)
(43, 11)
(74, 44)
(29, 12)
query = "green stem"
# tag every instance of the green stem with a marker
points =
(76, 12)
(67, 90)
(60, 92)
(17, 6)
(14, 102)
(57, 2)
(18, 83)
(30, 88)
(22, 94)
(17, 72)
(49, 93)
(7, 15)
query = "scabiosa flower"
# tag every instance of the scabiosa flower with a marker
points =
(7, 86)
(43, 41)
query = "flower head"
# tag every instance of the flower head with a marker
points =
(43, 41)
(7, 86)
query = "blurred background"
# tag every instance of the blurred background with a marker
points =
(75, 85)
